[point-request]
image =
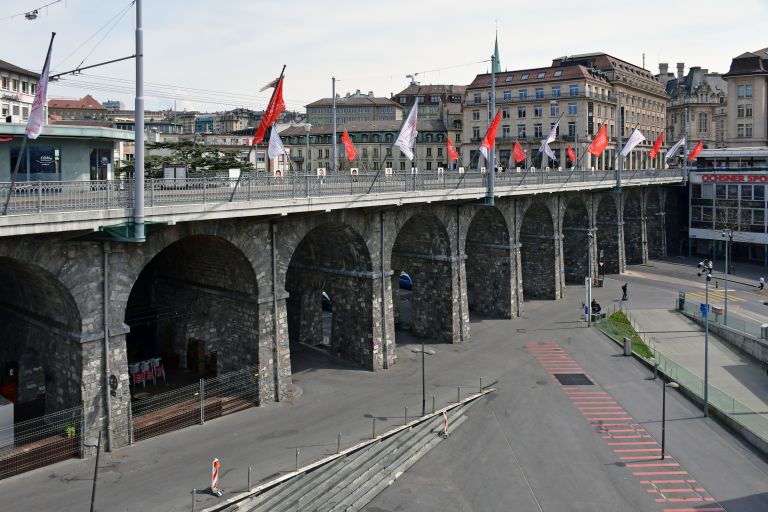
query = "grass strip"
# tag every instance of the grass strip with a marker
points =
(617, 326)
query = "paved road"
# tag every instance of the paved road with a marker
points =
(526, 448)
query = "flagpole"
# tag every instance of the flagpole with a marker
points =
(492, 156)
(620, 143)
(335, 142)
(26, 137)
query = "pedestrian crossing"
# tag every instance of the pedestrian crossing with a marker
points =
(714, 296)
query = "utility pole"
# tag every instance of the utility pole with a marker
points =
(620, 164)
(138, 170)
(335, 146)
(685, 146)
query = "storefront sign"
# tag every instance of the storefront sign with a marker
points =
(734, 178)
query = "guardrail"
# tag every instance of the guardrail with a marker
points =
(62, 196)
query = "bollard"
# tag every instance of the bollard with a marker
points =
(481, 384)
(215, 466)
(433, 403)
(655, 369)
(297, 460)
(194, 494)
(249, 478)
(458, 394)
(405, 417)
(627, 347)
(338, 444)
(764, 331)
(373, 436)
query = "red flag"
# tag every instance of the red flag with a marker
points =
(600, 143)
(351, 151)
(6, 139)
(695, 152)
(518, 153)
(656, 147)
(275, 107)
(571, 154)
(490, 136)
(452, 153)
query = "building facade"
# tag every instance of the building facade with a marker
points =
(583, 92)
(84, 108)
(17, 91)
(700, 95)
(443, 102)
(747, 118)
(357, 107)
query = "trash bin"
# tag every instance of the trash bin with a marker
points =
(600, 282)
(627, 347)
(764, 331)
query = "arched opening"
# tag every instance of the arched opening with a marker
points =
(489, 269)
(655, 225)
(537, 252)
(633, 229)
(576, 242)
(330, 286)
(422, 253)
(40, 354)
(195, 307)
(607, 224)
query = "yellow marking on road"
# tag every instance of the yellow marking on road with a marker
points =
(715, 296)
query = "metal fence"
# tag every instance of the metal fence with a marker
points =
(194, 404)
(717, 317)
(62, 196)
(41, 441)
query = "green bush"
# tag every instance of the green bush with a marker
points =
(618, 327)
(70, 431)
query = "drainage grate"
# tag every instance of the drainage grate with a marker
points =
(573, 379)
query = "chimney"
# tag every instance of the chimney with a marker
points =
(370, 94)
(680, 71)
(357, 92)
(663, 73)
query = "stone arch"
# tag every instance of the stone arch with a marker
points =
(575, 231)
(488, 264)
(655, 225)
(195, 305)
(538, 252)
(422, 248)
(608, 239)
(335, 258)
(634, 240)
(42, 331)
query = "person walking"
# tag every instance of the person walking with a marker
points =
(624, 292)
(761, 284)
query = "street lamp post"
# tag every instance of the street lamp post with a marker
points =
(705, 267)
(307, 128)
(423, 377)
(728, 235)
(91, 443)
(671, 384)
(590, 236)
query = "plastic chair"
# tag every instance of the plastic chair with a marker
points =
(160, 372)
(148, 372)
(138, 377)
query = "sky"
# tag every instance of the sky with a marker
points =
(213, 56)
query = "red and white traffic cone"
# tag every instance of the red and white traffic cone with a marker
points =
(444, 433)
(215, 478)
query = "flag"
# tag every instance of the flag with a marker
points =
(674, 149)
(551, 137)
(571, 154)
(600, 143)
(275, 107)
(695, 151)
(407, 136)
(634, 139)
(276, 147)
(452, 153)
(37, 114)
(517, 153)
(351, 151)
(270, 85)
(656, 147)
(490, 136)
(548, 151)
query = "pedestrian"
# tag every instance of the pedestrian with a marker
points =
(762, 283)
(624, 291)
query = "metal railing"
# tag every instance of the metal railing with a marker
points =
(194, 404)
(41, 441)
(716, 317)
(63, 196)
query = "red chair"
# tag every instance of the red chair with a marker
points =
(149, 373)
(138, 377)
(160, 372)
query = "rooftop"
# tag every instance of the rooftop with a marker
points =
(750, 63)
(67, 131)
(86, 101)
(7, 66)
(356, 99)
(429, 125)
(432, 89)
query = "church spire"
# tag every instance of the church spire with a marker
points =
(496, 63)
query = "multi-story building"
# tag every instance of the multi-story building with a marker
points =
(747, 119)
(443, 102)
(374, 145)
(113, 105)
(357, 107)
(84, 108)
(703, 97)
(584, 92)
(17, 92)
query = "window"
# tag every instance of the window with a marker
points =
(439, 152)
(521, 131)
(554, 110)
(435, 99)
(520, 111)
(748, 110)
(429, 166)
(419, 99)
(749, 90)
(403, 100)
(14, 85)
(538, 131)
(538, 111)
(38, 163)
(326, 154)
(524, 76)
(477, 97)
(556, 92)
(703, 122)
(505, 113)
(389, 153)
(429, 152)
(745, 91)
(523, 94)
(572, 110)
(558, 72)
(509, 78)
(25, 112)
(573, 90)
(539, 93)
(402, 165)
(15, 110)
(505, 131)
(4, 83)
(748, 130)
(541, 74)
(740, 130)
(507, 95)
(458, 138)
(24, 87)
(475, 115)
(476, 133)
(572, 128)
(740, 110)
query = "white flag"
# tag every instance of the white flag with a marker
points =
(407, 137)
(551, 137)
(37, 114)
(270, 85)
(674, 149)
(276, 147)
(634, 139)
(548, 151)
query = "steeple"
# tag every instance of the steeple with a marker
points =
(496, 63)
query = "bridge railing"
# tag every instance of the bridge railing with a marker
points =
(62, 196)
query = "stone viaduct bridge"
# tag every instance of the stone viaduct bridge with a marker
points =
(247, 275)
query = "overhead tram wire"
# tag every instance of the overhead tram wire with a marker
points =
(31, 10)
(114, 24)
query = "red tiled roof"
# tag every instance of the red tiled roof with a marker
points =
(86, 101)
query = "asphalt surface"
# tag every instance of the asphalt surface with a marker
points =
(527, 447)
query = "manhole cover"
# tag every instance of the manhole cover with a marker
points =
(573, 379)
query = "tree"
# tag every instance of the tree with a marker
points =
(197, 158)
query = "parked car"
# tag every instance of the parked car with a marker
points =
(406, 283)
